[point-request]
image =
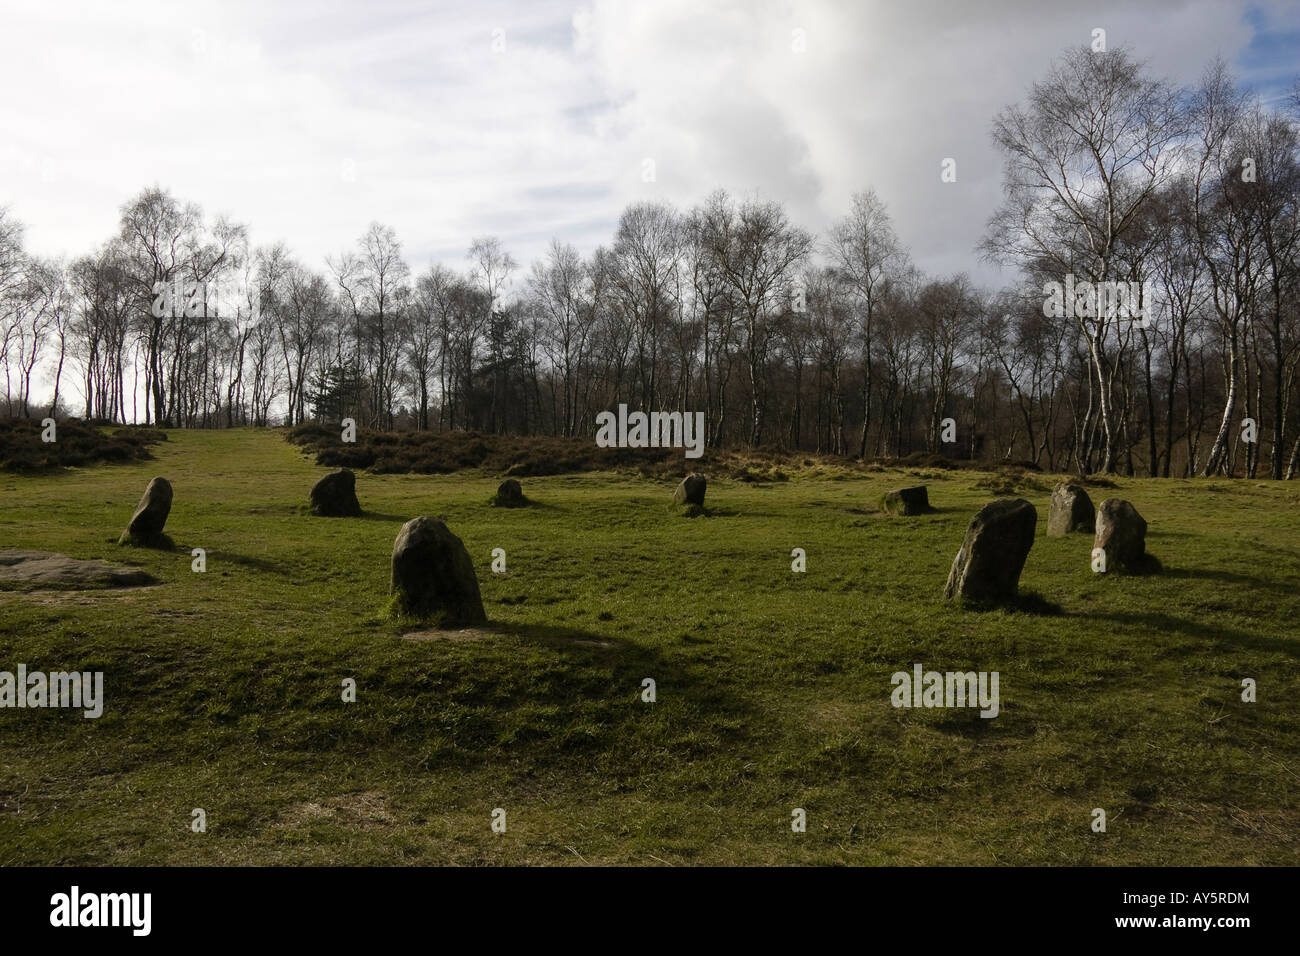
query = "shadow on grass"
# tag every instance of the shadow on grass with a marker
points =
(1143, 567)
(967, 723)
(575, 640)
(187, 551)
(244, 560)
(1026, 602)
(1226, 577)
(535, 505)
(701, 687)
(511, 673)
(306, 511)
(153, 542)
(709, 511)
(1160, 622)
(282, 510)
(1271, 549)
(528, 504)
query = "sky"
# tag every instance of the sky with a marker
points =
(533, 120)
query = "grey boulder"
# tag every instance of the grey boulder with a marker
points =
(335, 495)
(1121, 534)
(1070, 510)
(907, 501)
(433, 576)
(691, 490)
(510, 495)
(993, 553)
(146, 525)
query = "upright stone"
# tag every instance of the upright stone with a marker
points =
(433, 575)
(907, 501)
(146, 525)
(1071, 510)
(335, 495)
(510, 495)
(1122, 535)
(998, 539)
(691, 490)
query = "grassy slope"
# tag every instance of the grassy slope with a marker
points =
(773, 687)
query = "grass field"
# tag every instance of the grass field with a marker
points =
(224, 689)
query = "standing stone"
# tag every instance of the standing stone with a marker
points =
(510, 495)
(691, 490)
(335, 495)
(1122, 534)
(1071, 510)
(907, 501)
(988, 566)
(433, 575)
(146, 525)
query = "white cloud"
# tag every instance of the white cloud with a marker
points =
(260, 111)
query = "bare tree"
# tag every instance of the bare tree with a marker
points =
(558, 294)
(759, 251)
(865, 253)
(1082, 159)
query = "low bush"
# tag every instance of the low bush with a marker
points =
(534, 456)
(76, 445)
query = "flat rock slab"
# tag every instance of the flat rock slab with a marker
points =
(45, 569)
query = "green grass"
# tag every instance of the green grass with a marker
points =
(773, 688)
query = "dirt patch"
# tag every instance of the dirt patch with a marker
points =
(462, 634)
(23, 570)
(64, 597)
(470, 634)
(365, 810)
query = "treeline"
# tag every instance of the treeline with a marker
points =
(836, 344)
